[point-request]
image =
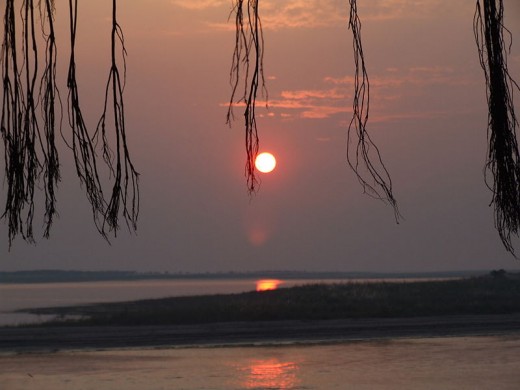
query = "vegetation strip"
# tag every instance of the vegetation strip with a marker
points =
(498, 293)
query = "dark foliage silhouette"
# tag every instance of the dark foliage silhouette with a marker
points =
(29, 139)
(503, 159)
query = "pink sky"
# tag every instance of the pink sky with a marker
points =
(428, 117)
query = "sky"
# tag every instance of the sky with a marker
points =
(428, 117)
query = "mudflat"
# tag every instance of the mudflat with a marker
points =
(55, 338)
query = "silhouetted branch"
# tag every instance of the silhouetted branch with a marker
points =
(29, 140)
(20, 127)
(248, 59)
(19, 123)
(125, 176)
(30, 123)
(82, 144)
(362, 154)
(503, 159)
(13, 130)
(48, 93)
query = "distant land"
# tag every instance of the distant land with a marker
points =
(65, 276)
(474, 306)
(494, 293)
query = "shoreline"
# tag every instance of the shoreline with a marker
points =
(45, 339)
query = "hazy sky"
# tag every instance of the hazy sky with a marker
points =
(428, 117)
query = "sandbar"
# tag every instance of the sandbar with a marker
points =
(55, 338)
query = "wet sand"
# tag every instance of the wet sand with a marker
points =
(48, 339)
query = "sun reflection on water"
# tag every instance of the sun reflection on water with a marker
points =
(271, 374)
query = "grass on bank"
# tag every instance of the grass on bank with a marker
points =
(495, 294)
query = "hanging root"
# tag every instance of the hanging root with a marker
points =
(363, 156)
(19, 124)
(17, 158)
(82, 144)
(48, 94)
(125, 176)
(30, 151)
(503, 159)
(248, 58)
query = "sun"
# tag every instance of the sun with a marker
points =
(267, 284)
(265, 162)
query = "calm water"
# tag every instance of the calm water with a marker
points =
(418, 364)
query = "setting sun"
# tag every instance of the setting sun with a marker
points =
(265, 162)
(267, 284)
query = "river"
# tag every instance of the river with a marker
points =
(458, 363)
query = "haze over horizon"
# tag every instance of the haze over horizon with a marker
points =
(428, 118)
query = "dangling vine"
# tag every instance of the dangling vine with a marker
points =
(30, 140)
(248, 58)
(503, 158)
(30, 128)
(125, 175)
(362, 154)
(48, 93)
(82, 144)
(18, 150)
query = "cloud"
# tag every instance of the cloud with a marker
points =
(416, 9)
(414, 76)
(310, 14)
(312, 103)
(303, 13)
(323, 112)
(318, 94)
(199, 4)
(399, 117)
(287, 14)
(309, 104)
(391, 95)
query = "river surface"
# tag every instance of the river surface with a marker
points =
(457, 363)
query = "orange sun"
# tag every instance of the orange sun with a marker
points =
(267, 284)
(265, 162)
